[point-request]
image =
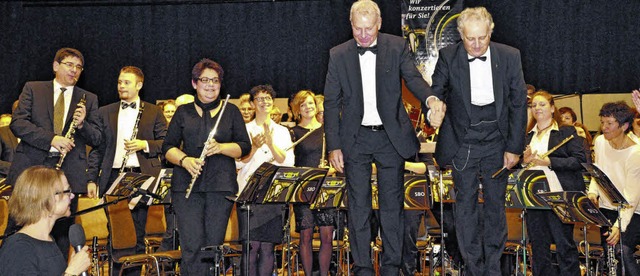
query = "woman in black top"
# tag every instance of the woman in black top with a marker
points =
(563, 170)
(40, 196)
(202, 218)
(309, 154)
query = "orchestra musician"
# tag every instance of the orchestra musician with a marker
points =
(119, 121)
(308, 153)
(269, 143)
(618, 156)
(45, 113)
(563, 171)
(202, 218)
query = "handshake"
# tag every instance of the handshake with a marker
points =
(437, 109)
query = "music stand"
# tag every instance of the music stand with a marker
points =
(610, 190)
(575, 206)
(127, 183)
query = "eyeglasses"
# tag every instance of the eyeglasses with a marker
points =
(71, 65)
(67, 191)
(207, 80)
(263, 99)
(245, 109)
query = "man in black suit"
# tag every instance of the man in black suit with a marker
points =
(118, 121)
(8, 144)
(365, 122)
(483, 131)
(42, 132)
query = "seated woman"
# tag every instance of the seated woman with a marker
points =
(40, 196)
(618, 156)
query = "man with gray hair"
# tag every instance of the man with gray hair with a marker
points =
(365, 123)
(482, 135)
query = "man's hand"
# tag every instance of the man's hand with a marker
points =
(79, 114)
(336, 160)
(510, 160)
(613, 236)
(92, 190)
(62, 144)
(437, 110)
(135, 145)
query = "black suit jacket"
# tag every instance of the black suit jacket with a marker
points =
(8, 144)
(566, 161)
(343, 104)
(33, 123)
(452, 84)
(152, 128)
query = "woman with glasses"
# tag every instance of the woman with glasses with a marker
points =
(269, 143)
(563, 171)
(248, 112)
(41, 195)
(202, 218)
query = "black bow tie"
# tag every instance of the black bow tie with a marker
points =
(125, 105)
(373, 49)
(483, 58)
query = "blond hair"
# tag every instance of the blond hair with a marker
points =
(475, 14)
(34, 193)
(298, 99)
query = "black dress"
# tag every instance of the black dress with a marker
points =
(308, 154)
(24, 255)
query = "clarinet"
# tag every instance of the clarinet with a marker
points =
(203, 154)
(323, 159)
(133, 137)
(95, 262)
(612, 263)
(71, 132)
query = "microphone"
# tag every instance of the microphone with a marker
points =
(77, 240)
(145, 193)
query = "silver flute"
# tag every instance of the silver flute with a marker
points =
(203, 155)
(71, 132)
(133, 137)
(612, 262)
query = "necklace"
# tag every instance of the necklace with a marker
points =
(622, 145)
(540, 131)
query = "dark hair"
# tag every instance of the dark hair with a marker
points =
(133, 70)
(619, 111)
(567, 109)
(262, 88)
(66, 52)
(203, 64)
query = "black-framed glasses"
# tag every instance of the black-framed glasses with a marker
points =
(209, 80)
(67, 191)
(72, 65)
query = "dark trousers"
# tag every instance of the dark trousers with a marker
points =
(374, 146)
(544, 228)
(630, 238)
(202, 219)
(481, 247)
(412, 220)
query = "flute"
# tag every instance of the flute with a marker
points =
(323, 159)
(295, 143)
(71, 132)
(203, 154)
(531, 165)
(133, 136)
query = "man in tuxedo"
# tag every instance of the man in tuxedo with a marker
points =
(483, 131)
(118, 121)
(44, 115)
(8, 144)
(366, 123)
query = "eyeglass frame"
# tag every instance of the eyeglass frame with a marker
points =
(263, 99)
(206, 80)
(70, 65)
